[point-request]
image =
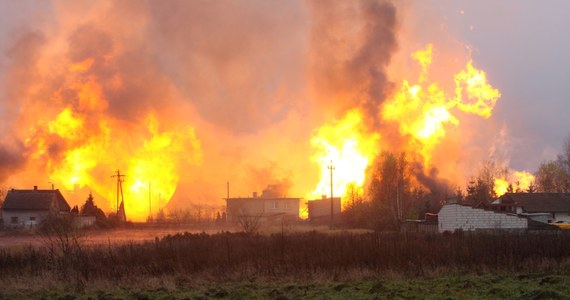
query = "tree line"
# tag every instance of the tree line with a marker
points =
(399, 189)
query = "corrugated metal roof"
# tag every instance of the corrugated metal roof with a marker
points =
(34, 200)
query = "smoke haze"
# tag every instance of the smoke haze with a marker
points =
(188, 95)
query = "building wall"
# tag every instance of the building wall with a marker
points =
(564, 217)
(322, 208)
(263, 207)
(246, 206)
(24, 218)
(452, 217)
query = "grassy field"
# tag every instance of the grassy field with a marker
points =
(294, 265)
(533, 286)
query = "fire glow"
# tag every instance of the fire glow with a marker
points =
(128, 87)
(93, 144)
(422, 112)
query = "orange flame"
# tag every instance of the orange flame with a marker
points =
(349, 147)
(83, 146)
(422, 112)
(520, 182)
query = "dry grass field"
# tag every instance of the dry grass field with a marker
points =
(291, 264)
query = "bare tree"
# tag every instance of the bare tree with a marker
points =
(249, 223)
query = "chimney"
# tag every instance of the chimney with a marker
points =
(35, 187)
(324, 197)
(254, 194)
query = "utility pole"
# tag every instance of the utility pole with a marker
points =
(331, 168)
(149, 202)
(120, 192)
(228, 191)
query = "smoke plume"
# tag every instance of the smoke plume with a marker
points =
(188, 95)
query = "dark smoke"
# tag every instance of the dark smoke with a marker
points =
(359, 75)
(431, 180)
(278, 189)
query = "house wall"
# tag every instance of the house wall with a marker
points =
(250, 207)
(24, 218)
(322, 208)
(262, 207)
(452, 217)
(562, 217)
(281, 206)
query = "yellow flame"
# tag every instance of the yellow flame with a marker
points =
(501, 186)
(423, 111)
(480, 96)
(520, 182)
(424, 58)
(349, 147)
(83, 146)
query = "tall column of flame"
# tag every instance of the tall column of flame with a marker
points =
(421, 110)
(349, 146)
(82, 146)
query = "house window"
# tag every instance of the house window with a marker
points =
(286, 205)
(273, 205)
(32, 218)
(14, 220)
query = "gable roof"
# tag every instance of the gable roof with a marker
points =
(538, 202)
(34, 200)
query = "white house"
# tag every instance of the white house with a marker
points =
(455, 216)
(543, 207)
(28, 208)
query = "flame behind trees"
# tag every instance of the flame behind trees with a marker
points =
(421, 112)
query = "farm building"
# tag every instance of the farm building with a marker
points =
(265, 208)
(543, 207)
(28, 208)
(320, 210)
(455, 216)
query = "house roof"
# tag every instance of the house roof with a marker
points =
(34, 200)
(538, 202)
